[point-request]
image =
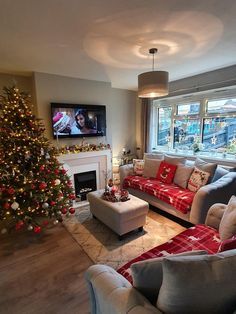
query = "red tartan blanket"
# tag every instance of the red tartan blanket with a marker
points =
(199, 237)
(179, 198)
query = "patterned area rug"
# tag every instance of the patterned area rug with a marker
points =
(101, 244)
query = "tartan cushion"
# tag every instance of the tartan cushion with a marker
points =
(181, 199)
(199, 237)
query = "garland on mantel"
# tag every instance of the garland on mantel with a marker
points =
(82, 148)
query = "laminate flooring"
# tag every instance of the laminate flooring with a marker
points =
(44, 274)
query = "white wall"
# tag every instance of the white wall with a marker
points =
(120, 107)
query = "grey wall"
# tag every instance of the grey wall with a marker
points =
(205, 81)
(120, 107)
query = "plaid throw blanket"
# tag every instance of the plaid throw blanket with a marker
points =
(181, 199)
(199, 237)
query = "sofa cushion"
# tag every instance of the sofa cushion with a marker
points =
(198, 179)
(138, 166)
(219, 172)
(147, 275)
(199, 237)
(166, 172)
(227, 227)
(174, 160)
(182, 175)
(199, 284)
(206, 166)
(151, 167)
(229, 244)
(180, 199)
(159, 156)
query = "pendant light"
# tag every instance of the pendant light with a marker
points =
(153, 83)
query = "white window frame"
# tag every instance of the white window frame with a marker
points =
(203, 99)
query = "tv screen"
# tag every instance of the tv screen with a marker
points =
(72, 120)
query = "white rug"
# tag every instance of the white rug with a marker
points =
(102, 245)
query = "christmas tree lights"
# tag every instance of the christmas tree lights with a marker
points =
(32, 184)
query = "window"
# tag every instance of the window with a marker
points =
(188, 109)
(221, 106)
(164, 125)
(185, 132)
(211, 125)
(218, 132)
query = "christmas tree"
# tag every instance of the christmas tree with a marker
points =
(32, 182)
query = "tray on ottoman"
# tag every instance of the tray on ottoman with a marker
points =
(121, 217)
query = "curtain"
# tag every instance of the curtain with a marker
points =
(146, 126)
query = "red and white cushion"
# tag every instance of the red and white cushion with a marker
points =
(198, 179)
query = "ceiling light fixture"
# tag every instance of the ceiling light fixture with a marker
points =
(153, 83)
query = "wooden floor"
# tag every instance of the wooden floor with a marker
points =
(45, 274)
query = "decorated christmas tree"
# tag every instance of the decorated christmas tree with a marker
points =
(34, 187)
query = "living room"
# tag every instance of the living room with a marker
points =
(85, 54)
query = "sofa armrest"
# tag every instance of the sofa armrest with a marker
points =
(219, 191)
(125, 171)
(112, 293)
(215, 215)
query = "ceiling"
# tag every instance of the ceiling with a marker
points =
(108, 40)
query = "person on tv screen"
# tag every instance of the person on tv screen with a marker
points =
(83, 125)
(62, 123)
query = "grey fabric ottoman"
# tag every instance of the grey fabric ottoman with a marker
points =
(121, 217)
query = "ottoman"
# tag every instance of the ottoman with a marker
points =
(121, 217)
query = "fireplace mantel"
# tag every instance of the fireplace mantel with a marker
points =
(100, 161)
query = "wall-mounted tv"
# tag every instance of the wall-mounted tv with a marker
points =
(74, 120)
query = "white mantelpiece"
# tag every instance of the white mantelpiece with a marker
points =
(100, 161)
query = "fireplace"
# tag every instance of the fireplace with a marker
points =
(85, 182)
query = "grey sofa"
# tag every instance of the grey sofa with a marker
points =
(221, 188)
(204, 284)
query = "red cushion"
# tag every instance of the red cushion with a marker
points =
(166, 172)
(228, 244)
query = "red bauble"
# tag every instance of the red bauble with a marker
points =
(19, 225)
(37, 229)
(72, 196)
(42, 185)
(69, 183)
(32, 186)
(6, 205)
(41, 168)
(64, 211)
(63, 171)
(72, 210)
(48, 171)
(10, 191)
(56, 171)
(52, 203)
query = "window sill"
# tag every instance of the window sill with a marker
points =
(222, 158)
